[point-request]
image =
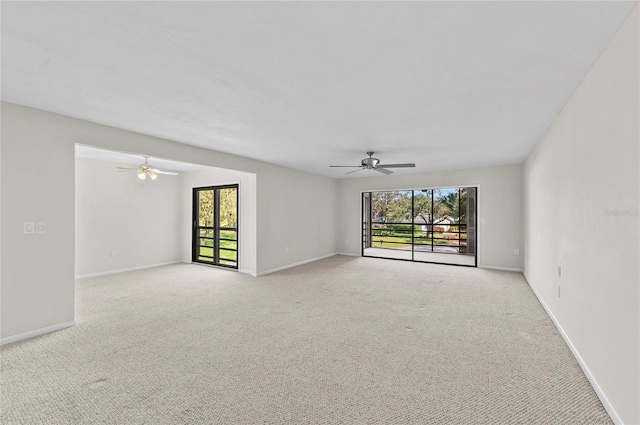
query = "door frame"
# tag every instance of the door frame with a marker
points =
(195, 227)
(477, 221)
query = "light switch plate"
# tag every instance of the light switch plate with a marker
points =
(29, 227)
(41, 228)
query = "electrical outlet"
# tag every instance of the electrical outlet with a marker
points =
(29, 227)
(516, 251)
(113, 253)
(41, 228)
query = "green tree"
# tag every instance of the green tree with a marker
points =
(380, 205)
(400, 208)
(206, 213)
(445, 204)
(393, 207)
(433, 206)
(229, 208)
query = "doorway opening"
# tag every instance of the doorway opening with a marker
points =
(215, 226)
(424, 225)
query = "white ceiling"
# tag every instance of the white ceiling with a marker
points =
(133, 159)
(308, 84)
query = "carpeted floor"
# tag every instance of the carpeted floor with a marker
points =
(342, 340)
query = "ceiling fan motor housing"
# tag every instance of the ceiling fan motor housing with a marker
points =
(370, 162)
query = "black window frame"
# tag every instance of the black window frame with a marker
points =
(195, 235)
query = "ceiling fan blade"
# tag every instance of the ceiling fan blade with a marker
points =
(355, 171)
(127, 168)
(348, 166)
(166, 172)
(382, 170)
(396, 165)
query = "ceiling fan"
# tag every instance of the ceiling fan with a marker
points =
(374, 164)
(146, 170)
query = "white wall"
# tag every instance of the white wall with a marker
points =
(301, 219)
(37, 180)
(37, 276)
(140, 220)
(587, 164)
(246, 211)
(499, 203)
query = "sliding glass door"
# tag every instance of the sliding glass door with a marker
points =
(215, 226)
(427, 225)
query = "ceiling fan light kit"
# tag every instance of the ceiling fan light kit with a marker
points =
(372, 163)
(146, 170)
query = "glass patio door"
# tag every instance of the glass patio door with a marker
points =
(425, 225)
(366, 223)
(215, 226)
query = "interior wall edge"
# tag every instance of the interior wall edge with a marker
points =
(505, 269)
(37, 332)
(296, 264)
(128, 269)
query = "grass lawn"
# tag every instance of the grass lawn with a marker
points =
(224, 255)
(224, 234)
(403, 241)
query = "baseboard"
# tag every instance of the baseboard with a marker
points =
(299, 263)
(349, 254)
(243, 271)
(506, 269)
(37, 332)
(130, 269)
(601, 395)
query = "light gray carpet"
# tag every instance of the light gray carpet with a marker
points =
(343, 340)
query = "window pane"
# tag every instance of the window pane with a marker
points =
(206, 208)
(228, 208)
(468, 220)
